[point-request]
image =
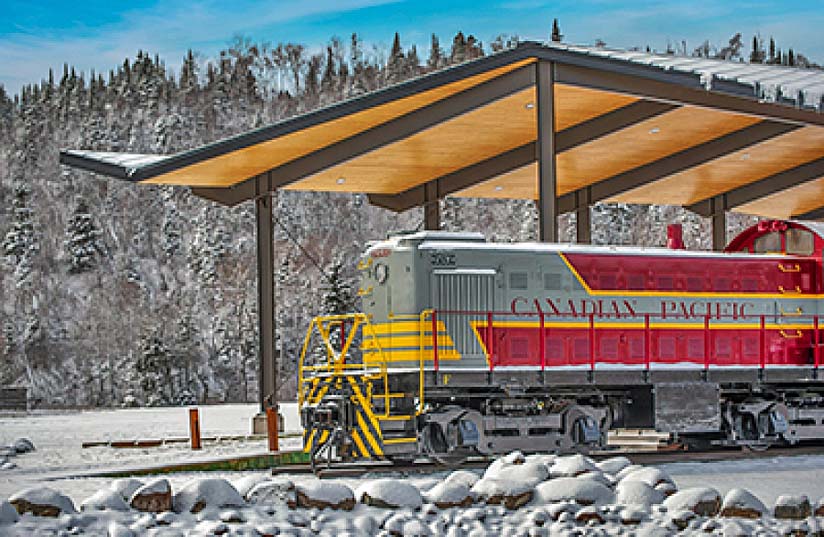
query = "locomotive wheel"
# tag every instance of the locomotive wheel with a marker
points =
(436, 447)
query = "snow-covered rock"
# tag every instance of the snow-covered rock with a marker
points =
(463, 477)
(633, 515)
(7, 465)
(8, 514)
(613, 465)
(704, 501)
(247, 483)
(792, 507)
(450, 494)
(571, 466)
(589, 514)
(323, 494)
(390, 494)
(637, 493)
(153, 497)
(126, 487)
(649, 475)
(104, 500)
(582, 491)
(279, 491)
(198, 494)
(627, 470)
(23, 445)
(42, 501)
(741, 503)
(819, 509)
(507, 492)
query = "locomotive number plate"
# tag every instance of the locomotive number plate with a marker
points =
(442, 259)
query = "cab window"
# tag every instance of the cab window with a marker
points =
(769, 243)
(799, 242)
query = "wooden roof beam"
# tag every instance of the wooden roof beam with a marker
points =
(761, 188)
(565, 140)
(374, 138)
(815, 214)
(677, 162)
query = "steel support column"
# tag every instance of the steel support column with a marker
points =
(719, 223)
(545, 152)
(431, 207)
(267, 373)
(583, 221)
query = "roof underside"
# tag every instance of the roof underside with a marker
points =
(630, 127)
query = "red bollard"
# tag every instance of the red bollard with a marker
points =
(194, 428)
(272, 427)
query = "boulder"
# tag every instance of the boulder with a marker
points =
(104, 500)
(637, 493)
(322, 494)
(649, 475)
(510, 493)
(389, 494)
(740, 503)
(681, 518)
(42, 501)
(633, 515)
(245, 484)
(280, 491)
(464, 477)
(126, 487)
(8, 514)
(582, 491)
(197, 494)
(572, 466)
(704, 501)
(23, 445)
(589, 514)
(116, 529)
(613, 465)
(792, 507)
(153, 497)
(450, 494)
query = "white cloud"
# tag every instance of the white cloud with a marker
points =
(168, 29)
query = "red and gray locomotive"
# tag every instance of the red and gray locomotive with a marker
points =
(469, 347)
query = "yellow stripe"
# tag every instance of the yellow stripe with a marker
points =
(444, 340)
(361, 446)
(364, 403)
(321, 393)
(307, 448)
(400, 440)
(681, 294)
(399, 327)
(369, 437)
(323, 436)
(481, 325)
(412, 356)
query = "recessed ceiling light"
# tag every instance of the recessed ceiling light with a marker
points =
(498, 188)
(654, 130)
(745, 156)
(341, 180)
(529, 106)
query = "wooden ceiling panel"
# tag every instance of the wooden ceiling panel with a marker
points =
(732, 171)
(782, 205)
(521, 183)
(239, 165)
(477, 135)
(574, 105)
(643, 143)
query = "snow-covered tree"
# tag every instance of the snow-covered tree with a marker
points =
(83, 243)
(21, 244)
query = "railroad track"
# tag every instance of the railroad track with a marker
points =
(338, 470)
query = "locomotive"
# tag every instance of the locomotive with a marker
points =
(467, 347)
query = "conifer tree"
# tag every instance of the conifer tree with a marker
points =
(83, 240)
(556, 35)
(395, 65)
(21, 245)
(757, 54)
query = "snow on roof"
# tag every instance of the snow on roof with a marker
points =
(773, 83)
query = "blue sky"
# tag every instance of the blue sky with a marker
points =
(96, 34)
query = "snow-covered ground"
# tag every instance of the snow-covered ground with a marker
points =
(58, 437)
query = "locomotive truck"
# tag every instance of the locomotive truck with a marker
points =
(467, 347)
